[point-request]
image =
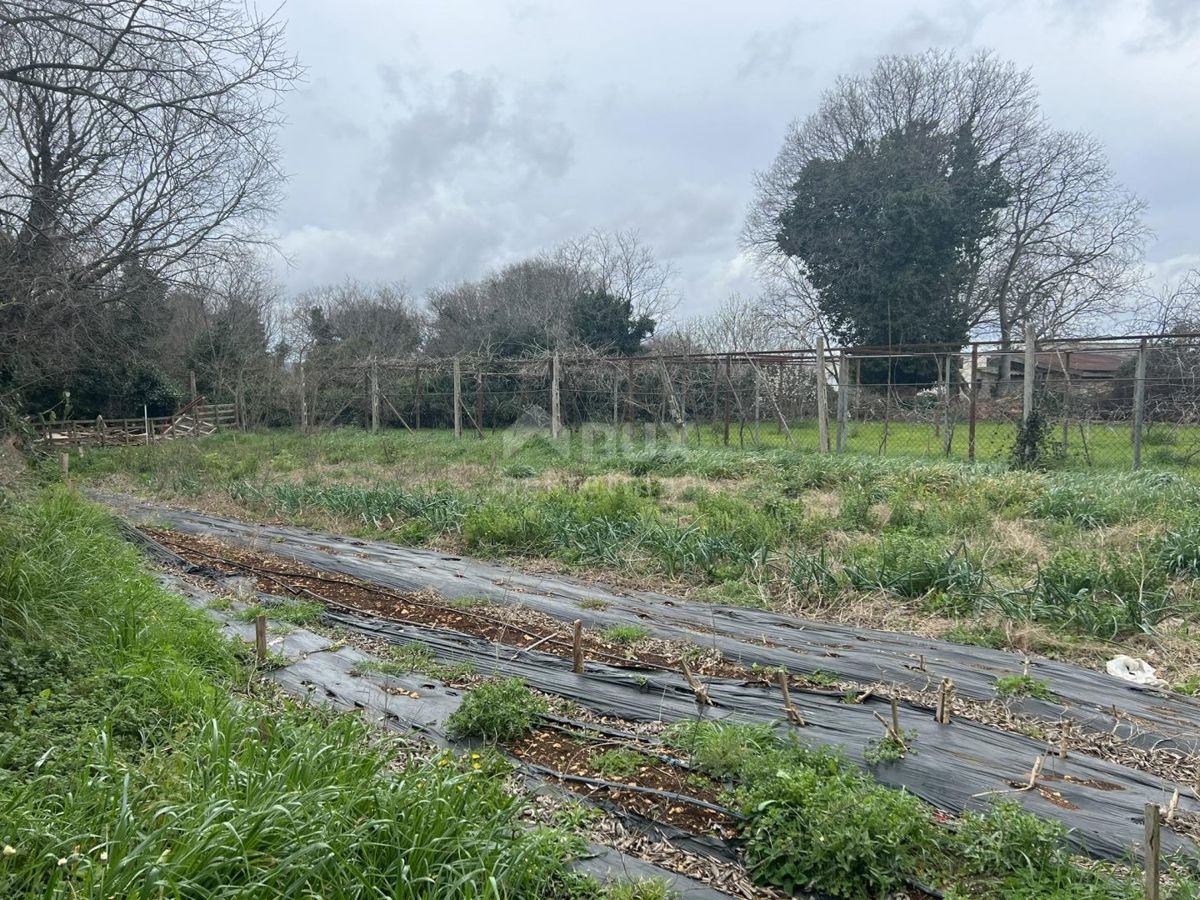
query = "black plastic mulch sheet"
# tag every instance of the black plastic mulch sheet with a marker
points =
(1143, 716)
(954, 767)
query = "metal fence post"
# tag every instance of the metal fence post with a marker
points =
(1066, 411)
(1139, 403)
(822, 399)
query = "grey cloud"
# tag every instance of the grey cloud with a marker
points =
(463, 130)
(772, 52)
(953, 25)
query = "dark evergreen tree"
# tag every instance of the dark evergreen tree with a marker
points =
(889, 233)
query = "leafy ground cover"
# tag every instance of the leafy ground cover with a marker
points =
(1067, 563)
(139, 758)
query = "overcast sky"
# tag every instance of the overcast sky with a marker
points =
(433, 141)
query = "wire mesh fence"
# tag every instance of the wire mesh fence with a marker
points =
(1091, 403)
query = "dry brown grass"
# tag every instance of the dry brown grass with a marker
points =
(1017, 539)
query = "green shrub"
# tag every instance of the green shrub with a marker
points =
(826, 828)
(498, 711)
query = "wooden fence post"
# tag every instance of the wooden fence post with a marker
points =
(974, 402)
(577, 646)
(1139, 403)
(479, 403)
(146, 422)
(727, 392)
(192, 385)
(555, 400)
(1066, 411)
(822, 398)
(843, 400)
(629, 381)
(1030, 372)
(303, 400)
(260, 638)
(374, 395)
(457, 370)
(417, 413)
(65, 460)
(1153, 848)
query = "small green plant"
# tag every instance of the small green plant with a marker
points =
(619, 763)
(592, 603)
(645, 889)
(1023, 685)
(294, 612)
(890, 748)
(625, 634)
(1189, 686)
(816, 824)
(469, 602)
(820, 679)
(500, 711)
(978, 635)
(576, 817)
(520, 470)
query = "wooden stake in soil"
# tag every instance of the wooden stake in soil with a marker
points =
(260, 638)
(66, 467)
(698, 689)
(1153, 848)
(1172, 807)
(945, 703)
(1062, 739)
(577, 647)
(793, 714)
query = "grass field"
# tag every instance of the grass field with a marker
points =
(1067, 563)
(1091, 445)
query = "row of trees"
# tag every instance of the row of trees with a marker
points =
(927, 200)
(137, 155)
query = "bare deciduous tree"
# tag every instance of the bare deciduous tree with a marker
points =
(132, 133)
(622, 264)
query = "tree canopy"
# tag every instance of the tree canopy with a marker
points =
(890, 231)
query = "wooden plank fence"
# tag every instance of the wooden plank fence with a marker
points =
(195, 419)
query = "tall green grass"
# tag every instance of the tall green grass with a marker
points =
(132, 765)
(750, 526)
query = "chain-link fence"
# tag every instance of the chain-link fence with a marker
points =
(1099, 403)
